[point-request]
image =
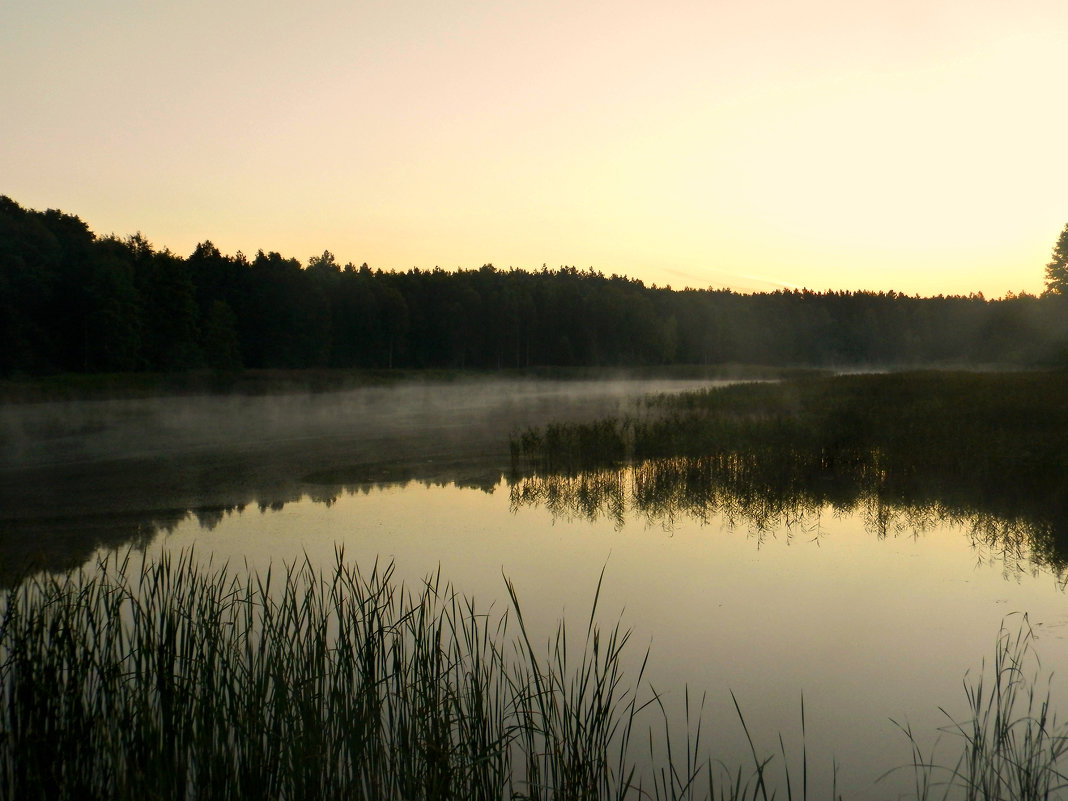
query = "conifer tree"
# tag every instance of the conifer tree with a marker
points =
(1057, 269)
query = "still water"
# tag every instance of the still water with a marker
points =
(867, 628)
(869, 614)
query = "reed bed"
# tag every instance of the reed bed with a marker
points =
(1011, 747)
(172, 679)
(976, 424)
(169, 679)
(986, 445)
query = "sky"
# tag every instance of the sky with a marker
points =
(908, 145)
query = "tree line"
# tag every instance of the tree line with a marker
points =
(72, 301)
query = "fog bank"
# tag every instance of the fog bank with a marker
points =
(81, 457)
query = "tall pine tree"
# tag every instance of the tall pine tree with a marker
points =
(1057, 269)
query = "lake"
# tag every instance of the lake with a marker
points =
(870, 613)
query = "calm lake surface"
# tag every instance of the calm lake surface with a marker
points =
(869, 613)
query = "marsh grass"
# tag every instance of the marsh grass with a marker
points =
(920, 424)
(172, 679)
(1011, 747)
(169, 679)
(986, 447)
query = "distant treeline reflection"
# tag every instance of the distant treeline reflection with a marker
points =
(984, 451)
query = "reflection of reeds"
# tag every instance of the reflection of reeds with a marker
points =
(728, 487)
(988, 450)
(590, 495)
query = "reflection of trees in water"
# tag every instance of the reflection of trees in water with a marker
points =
(54, 544)
(209, 517)
(791, 500)
(64, 543)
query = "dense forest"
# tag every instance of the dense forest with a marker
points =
(74, 302)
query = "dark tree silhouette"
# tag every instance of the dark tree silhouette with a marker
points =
(114, 332)
(170, 318)
(72, 302)
(222, 348)
(1057, 269)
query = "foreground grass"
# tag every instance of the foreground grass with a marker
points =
(171, 680)
(1011, 747)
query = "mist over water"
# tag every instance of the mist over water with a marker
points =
(81, 432)
(869, 615)
(75, 474)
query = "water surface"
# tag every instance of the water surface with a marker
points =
(871, 612)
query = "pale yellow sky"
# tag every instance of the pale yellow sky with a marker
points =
(832, 144)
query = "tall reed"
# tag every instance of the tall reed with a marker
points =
(1011, 747)
(172, 679)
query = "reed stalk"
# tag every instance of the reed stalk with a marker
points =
(1011, 748)
(171, 679)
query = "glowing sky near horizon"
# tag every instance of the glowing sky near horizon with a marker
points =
(913, 145)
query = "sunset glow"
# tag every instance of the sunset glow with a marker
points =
(913, 145)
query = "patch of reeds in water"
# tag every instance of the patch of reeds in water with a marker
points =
(170, 679)
(173, 680)
(983, 447)
(1011, 747)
